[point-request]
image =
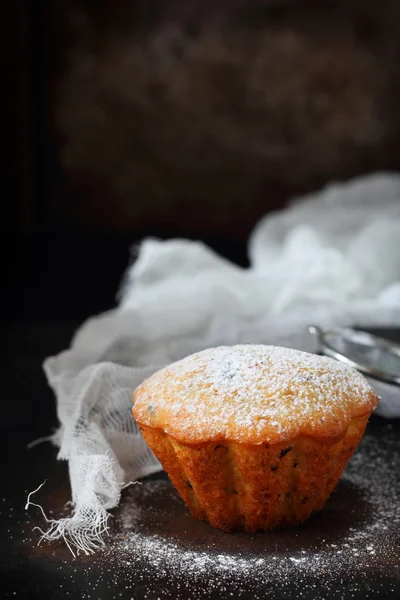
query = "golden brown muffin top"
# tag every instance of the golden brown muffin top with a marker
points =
(253, 394)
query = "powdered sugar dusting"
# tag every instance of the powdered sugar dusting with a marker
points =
(350, 550)
(253, 393)
(156, 550)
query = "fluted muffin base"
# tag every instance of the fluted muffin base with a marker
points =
(255, 487)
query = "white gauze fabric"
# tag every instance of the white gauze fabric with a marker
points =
(331, 259)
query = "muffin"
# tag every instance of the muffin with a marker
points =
(254, 437)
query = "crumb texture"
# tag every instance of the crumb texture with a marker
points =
(253, 394)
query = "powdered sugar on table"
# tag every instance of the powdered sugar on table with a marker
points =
(156, 550)
(349, 550)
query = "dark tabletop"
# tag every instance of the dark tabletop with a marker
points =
(357, 536)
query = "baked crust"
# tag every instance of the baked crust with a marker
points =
(253, 395)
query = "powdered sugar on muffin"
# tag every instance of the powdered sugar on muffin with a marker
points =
(253, 394)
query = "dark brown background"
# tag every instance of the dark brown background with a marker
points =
(194, 117)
